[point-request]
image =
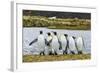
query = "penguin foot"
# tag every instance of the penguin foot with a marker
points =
(64, 52)
(72, 52)
(42, 53)
(50, 53)
(79, 52)
(55, 53)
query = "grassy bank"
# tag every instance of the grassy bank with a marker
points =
(38, 58)
(57, 23)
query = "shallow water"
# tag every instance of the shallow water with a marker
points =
(30, 34)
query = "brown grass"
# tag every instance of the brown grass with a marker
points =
(38, 58)
(58, 23)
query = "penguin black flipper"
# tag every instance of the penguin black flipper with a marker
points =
(67, 46)
(35, 40)
(48, 43)
(60, 47)
(72, 52)
(83, 43)
(76, 46)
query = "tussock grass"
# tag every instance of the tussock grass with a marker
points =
(58, 23)
(38, 58)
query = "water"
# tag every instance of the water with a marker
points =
(30, 34)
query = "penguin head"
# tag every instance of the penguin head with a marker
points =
(66, 35)
(49, 33)
(73, 37)
(55, 33)
(41, 32)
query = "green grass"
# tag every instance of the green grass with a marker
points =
(58, 23)
(38, 58)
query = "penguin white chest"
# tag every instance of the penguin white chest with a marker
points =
(63, 41)
(41, 41)
(55, 43)
(79, 43)
(71, 44)
(49, 38)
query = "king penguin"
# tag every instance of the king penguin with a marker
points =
(72, 45)
(40, 42)
(80, 44)
(48, 43)
(63, 41)
(55, 43)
